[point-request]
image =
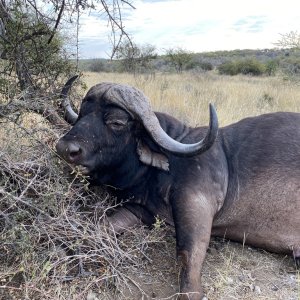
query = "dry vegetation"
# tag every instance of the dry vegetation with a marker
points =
(52, 245)
(187, 96)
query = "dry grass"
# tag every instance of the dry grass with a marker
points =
(187, 96)
(49, 220)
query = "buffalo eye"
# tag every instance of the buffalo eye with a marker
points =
(116, 124)
(116, 119)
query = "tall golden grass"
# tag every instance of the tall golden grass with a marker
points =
(186, 96)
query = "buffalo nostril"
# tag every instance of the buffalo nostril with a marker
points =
(74, 151)
(70, 151)
(74, 154)
(72, 147)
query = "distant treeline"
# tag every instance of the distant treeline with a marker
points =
(252, 62)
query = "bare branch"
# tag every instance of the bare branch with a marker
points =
(116, 24)
(128, 3)
(57, 21)
(289, 40)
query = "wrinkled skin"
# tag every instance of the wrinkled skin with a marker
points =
(246, 187)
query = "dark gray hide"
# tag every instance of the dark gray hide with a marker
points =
(243, 184)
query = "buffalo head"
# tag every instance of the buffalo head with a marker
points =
(109, 127)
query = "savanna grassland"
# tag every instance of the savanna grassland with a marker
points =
(50, 218)
(187, 96)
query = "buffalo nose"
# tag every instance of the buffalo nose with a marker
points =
(74, 151)
(70, 151)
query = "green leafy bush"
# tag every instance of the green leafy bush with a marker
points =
(228, 68)
(247, 67)
(206, 66)
(202, 65)
(271, 67)
(251, 67)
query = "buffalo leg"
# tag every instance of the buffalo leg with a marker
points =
(122, 220)
(193, 220)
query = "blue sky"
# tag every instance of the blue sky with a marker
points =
(196, 25)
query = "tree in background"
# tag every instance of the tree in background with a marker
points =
(33, 51)
(179, 58)
(290, 40)
(134, 58)
(291, 63)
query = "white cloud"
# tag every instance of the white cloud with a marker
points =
(200, 25)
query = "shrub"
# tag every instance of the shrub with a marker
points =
(246, 67)
(206, 66)
(251, 67)
(97, 65)
(228, 68)
(202, 65)
(271, 67)
(291, 66)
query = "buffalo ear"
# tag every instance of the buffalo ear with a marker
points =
(151, 158)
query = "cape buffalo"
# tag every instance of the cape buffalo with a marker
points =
(241, 181)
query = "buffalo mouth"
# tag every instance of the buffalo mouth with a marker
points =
(81, 169)
(75, 155)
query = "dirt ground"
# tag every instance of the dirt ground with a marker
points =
(230, 271)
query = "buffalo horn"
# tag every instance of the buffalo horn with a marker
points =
(70, 115)
(138, 105)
